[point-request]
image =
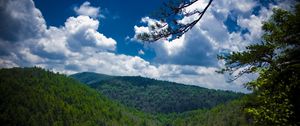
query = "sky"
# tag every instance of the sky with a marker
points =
(73, 36)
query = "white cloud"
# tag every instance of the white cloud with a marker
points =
(82, 31)
(45, 44)
(254, 23)
(78, 46)
(88, 10)
(29, 57)
(244, 5)
(141, 52)
(79, 34)
(123, 65)
(19, 21)
(210, 35)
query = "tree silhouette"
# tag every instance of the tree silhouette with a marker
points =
(169, 24)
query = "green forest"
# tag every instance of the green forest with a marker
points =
(33, 96)
(154, 96)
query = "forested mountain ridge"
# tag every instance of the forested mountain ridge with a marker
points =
(90, 77)
(35, 97)
(155, 96)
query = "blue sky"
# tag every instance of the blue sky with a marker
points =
(118, 21)
(99, 36)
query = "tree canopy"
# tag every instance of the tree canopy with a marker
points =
(276, 59)
(155, 96)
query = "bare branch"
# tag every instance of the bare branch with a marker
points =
(174, 29)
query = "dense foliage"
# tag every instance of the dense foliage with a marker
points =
(229, 114)
(34, 97)
(276, 58)
(156, 96)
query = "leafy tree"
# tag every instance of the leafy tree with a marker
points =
(169, 23)
(276, 91)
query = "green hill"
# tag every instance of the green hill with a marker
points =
(35, 97)
(154, 96)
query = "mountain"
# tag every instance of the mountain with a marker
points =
(155, 96)
(35, 97)
(90, 77)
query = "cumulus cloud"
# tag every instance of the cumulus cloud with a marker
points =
(19, 17)
(19, 21)
(82, 32)
(77, 46)
(32, 42)
(88, 10)
(211, 35)
(123, 65)
(78, 35)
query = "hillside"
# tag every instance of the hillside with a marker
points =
(154, 96)
(229, 114)
(35, 97)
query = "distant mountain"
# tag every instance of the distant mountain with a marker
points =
(90, 78)
(155, 96)
(35, 97)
